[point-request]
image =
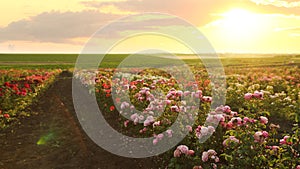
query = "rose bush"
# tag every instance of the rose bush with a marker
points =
(19, 88)
(258, 126)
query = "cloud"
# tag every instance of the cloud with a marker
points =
(194, 11)
(295, 35)
(67, 27)
(278, 3)
(198, 11)
(56, 26)
(294, 28)
(73, 27)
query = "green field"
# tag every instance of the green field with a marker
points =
(66, 61)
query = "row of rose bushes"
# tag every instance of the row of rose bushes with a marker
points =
(258, 126)
(19, 88)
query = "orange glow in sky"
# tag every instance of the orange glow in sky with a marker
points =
(250, 26)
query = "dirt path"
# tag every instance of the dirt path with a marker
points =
(53, 139)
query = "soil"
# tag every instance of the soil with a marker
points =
(52, 138)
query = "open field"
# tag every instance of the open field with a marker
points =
(258, 125)
(112, 60)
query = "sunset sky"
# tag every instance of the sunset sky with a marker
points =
(247, 26)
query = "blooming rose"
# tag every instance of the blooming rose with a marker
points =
(263, 120)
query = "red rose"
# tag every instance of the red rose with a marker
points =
(112, 108)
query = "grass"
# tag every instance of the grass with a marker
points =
(67, 61)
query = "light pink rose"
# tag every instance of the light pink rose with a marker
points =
(177, 153)
(207, 99)
(174, 109)
(179, 93)
(226, 109)
(212, 152)
(205, 156)
(248, 96)
(263, 120)
(231, 138)
(258, 94)
(160, 136)
(197, 167)
(245, 120)
(257, 136)
(204, 131)
(217, 159)
(189, 128)
(284, 140)
(183, 148)
(169, 132)
(265, 134)
(211, 129)
(239, 120)
(191, 152)
(168, 102)
(186, 93)
(157, 123)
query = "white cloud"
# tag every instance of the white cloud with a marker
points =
(195, 11)
(278, 3)
(294, 28)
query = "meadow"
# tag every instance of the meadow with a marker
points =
(258, 124)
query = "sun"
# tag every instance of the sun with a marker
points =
(240, 24)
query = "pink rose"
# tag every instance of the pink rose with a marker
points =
(248, 96)
(245, 120)
(197, 167)
(189, 128)
(207, 99)
(284, 140)
(126, 123)
(179, 93)
(205, 156)
(229, 125)
(168, 102)
(257, 136)
(191, 152)
(212, 152)
(177, 153)
(157, 123)
(183, 148)
(263, 120)
(169, 132)
(211, 129)
(160, 136)
(217, 159)
(174, 109)
(265, 134)
(258, 94)
(239, 120)
(204, 131)
(230, 139)
(226, 109)
(186, 93)
(233, 113)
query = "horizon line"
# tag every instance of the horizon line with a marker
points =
(120, 53)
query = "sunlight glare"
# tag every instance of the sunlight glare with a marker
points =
(241, 23)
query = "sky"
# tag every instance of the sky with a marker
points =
(65, 26)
